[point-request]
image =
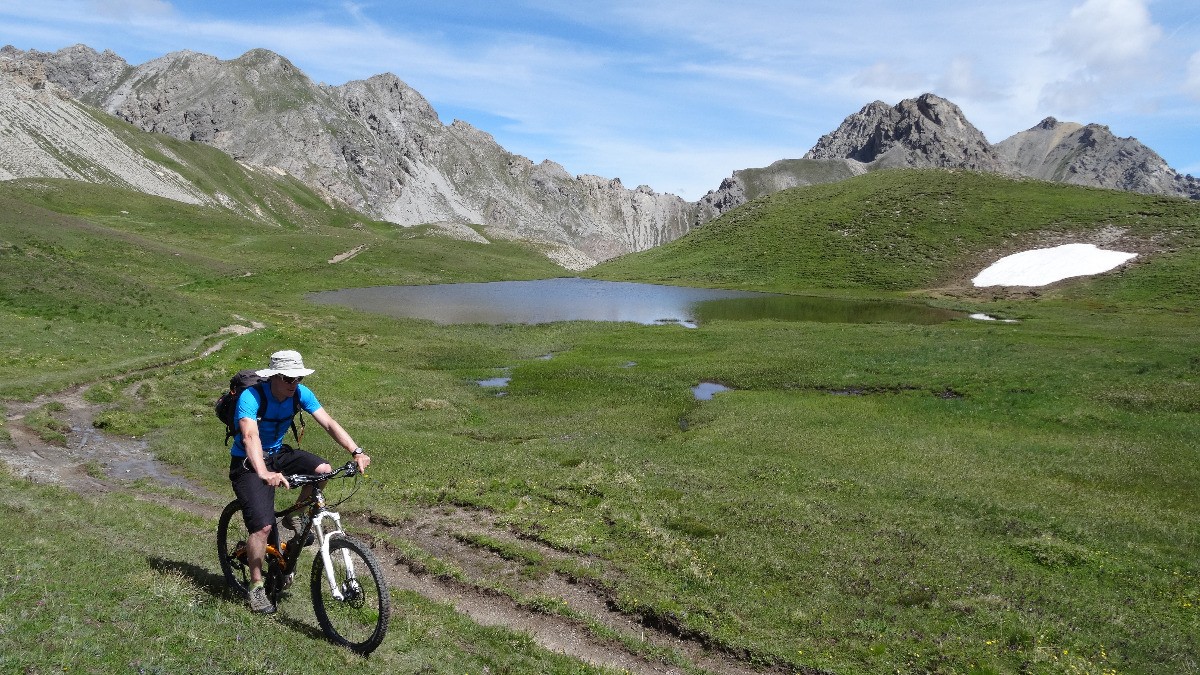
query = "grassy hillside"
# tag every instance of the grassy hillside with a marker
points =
(960, 497)
(96, 280)
(904, 230)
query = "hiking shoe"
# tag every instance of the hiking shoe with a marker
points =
(259, 602)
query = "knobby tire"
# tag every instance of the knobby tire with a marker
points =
(361, 620)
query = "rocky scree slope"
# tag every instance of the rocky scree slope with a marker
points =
(375, 145)
(45, 132)
(48, 134)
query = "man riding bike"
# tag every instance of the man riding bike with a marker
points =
(259, 457)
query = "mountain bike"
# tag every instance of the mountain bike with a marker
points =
(349, 594)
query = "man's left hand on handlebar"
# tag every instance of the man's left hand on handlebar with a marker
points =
(362, 459)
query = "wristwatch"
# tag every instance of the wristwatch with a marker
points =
(358, 451)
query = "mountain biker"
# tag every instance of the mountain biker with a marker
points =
(260, 458)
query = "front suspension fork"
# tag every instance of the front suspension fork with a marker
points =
(326, 557)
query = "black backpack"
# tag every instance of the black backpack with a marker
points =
(226, 405)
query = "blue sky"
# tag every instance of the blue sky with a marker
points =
(677, 94)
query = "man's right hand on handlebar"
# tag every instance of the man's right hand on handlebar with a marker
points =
(275, 479)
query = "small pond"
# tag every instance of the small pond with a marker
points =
(573, 299)
(706, 390)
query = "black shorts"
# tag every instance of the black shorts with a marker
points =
(258, 498)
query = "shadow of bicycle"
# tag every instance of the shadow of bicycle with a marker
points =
(213, 583)
(207, 580)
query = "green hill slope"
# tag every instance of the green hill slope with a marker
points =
(906, 230)
(95, 279)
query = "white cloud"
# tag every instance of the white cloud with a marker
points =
(885, 76)
(1108, 34)
(1191, 85)
(1107, 49)
(962, 80)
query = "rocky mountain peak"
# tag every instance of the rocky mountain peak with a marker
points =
(919, 132)
(1091, 154)
(79, 69)
(265, 58)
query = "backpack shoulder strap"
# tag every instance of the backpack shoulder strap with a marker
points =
(297, 410)
(262, 401)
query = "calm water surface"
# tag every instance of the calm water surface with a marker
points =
(549, 300)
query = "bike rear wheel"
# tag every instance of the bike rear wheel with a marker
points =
(231, 548)
(360, 619)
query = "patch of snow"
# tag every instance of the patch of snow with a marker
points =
(1043, 266)
(988, 317)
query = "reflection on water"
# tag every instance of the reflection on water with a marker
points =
(549, 300)
(541, 301)
(706, 390)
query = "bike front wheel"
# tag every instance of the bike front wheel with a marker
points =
(359, 619)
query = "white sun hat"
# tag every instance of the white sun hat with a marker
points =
(288, 363)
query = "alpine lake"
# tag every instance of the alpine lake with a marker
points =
(576, 299)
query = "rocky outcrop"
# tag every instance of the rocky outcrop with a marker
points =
(931, 132)
(83, 71)
(922, 132)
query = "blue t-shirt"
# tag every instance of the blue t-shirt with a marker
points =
(276, 419)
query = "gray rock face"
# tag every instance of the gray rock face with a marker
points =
(47, 134)
(748, 184)
(81, 70)
(1067, 152)
(374, 144)
(923, 132)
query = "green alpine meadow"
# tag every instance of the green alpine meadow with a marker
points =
(1018, 495)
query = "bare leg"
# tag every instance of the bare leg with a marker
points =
(256, 550)
(306, 491)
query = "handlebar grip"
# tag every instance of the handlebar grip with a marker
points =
(348, 469)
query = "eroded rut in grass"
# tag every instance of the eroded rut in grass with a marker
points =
(487, 587)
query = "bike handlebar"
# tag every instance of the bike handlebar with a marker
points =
(345, 471)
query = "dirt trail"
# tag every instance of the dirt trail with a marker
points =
(92, 461)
